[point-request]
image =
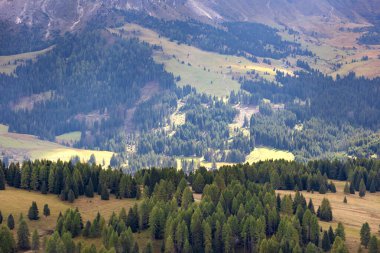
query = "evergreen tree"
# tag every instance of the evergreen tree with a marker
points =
(198, 184)
(35, 241)
(87, 229)
(1, 218)
(310, 206)
(90, 189)
(352, 188)
(33, 212)
(187, 198)
(11, 222)
(7, 242)
(339, 231)
(105, 194)
(372, 188)
(44, 188)
(326, 244)
(346, 188)
(362, 189)
(325, 212)
(345, 200)
(196, 231)
(23, 236)
(322, 189)
(339, 246)
(373, 245)
(331, 235)
(365, 234)
(71, 196)
(46, 210)
(207, 237)
(2, 178)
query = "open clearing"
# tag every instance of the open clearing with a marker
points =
(208, 72)
(353, 214)
(10, 62)
(17, 201)
(69, 138)
(20, 146)
(264, 154)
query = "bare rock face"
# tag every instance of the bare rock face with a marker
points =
(68, 15)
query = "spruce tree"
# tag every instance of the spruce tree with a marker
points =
(46, 210)
(346, 188)
(372, 246)
(33, 212)
(198, 184)
(325, 212)
(71, 196)
(90, 189)
(372, 188)
(2, 178)
(7, 242)
(326, 244)
(44, 188)
(322, 189)
(23, 236)
(339, 231)
(352, 188)
(310, 206)
(365, 234)
(105, 194)
(11, 222)
(339, 246)
(331, 235)
(35, 241)
(362, 188)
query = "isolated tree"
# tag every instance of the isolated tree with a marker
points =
(346, 188)
(23, 236)
(362, 188)
(325, 212)
(33, 212)
(332, 187)
(46, 210)
(365, 234)
(373, 245)
(11, 222)
(35, 240)
(7, 242)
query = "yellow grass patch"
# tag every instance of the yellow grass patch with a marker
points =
(69, 137)
(353, 214)
(10, 62)
(21, 146)
(264, 154)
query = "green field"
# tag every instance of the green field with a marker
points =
(263, 154)
(21, 146)
(10, 62)
(69, 137)
(208, 72)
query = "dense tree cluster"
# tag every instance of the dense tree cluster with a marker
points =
(69, 181)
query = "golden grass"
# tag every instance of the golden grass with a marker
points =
(16, 201)
(69, 137)
(10, 62)
(209, 72)
(353, 214)
(23, 145)
(264, 154)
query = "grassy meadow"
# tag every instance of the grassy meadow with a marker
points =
(21, 146)
(208, 72)
(352, 215)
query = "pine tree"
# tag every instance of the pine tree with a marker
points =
(71, 196)
(198, 184)
(325, 212)
(346, 188)
(310, 206)
(35, 240)
(207, 237)
(87, 229)
(105, 194)
(322, 189)
(362, 188)
(372, 246)
(372, 188)
(1, 218)
(2, 178)
(33, 212)
(7, 242)
(196, 231)
(339, 231)
(352, 188)
(331, 235)
(339, 246)
(46, 210)
(332, 187)
(90, 189)
(326, 244)
(365, 234)
(187, 198)
(23, 236)
(44, 188)
(11, 222)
